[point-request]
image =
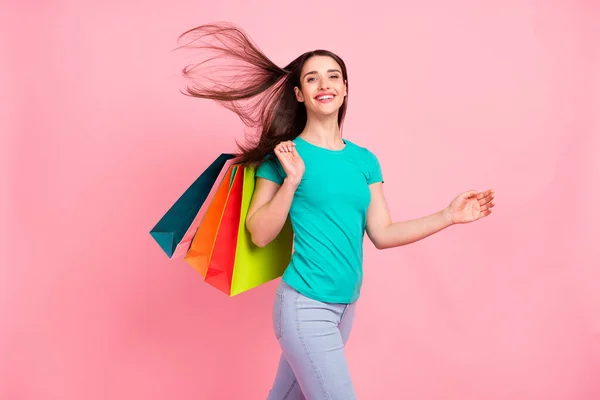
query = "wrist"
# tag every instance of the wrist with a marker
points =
(447, 216)
(291, 183)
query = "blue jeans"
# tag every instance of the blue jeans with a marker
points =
(312, 335)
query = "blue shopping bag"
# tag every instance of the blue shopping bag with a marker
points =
(173, 226)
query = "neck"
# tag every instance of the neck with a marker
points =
(323, 131)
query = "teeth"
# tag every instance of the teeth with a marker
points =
(324, 97)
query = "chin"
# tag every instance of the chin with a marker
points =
(326, 111)
(323, 113)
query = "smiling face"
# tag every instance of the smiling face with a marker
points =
(322, 86)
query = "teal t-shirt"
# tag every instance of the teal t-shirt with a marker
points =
(328, 216)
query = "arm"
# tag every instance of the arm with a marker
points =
(271, 202)
(269, 210)
(385, 234)
(466, 207)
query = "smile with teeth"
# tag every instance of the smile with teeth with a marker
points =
(325, 97)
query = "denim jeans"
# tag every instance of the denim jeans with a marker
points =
(312, 335)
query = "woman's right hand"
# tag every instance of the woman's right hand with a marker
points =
(290, 160)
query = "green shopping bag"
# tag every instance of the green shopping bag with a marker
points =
(236, 264)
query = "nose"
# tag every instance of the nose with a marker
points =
(324, 83)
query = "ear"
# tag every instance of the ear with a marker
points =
(345, 88)
(299, 95)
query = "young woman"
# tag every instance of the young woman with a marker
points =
(331, 189)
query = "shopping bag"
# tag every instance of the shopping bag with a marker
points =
(199, 252)
(236, 264)
(220, 267)
(254, 265)
(184, 245)
(177, 221)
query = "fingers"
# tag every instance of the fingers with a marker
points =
(285, 147)
(486, 197)
(487, 207)
(484, 193)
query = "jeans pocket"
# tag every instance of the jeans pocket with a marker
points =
(278, 315)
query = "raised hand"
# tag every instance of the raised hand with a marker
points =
(471, 206)
(290, 160)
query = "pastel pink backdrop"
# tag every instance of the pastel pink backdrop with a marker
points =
(97, 143)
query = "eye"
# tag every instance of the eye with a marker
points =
(310, 79)
(334, 76)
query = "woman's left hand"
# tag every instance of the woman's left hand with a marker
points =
(471, 206)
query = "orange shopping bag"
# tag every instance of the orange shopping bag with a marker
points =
(198, 255)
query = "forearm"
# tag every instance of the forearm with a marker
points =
(266, 223)
(406, 232)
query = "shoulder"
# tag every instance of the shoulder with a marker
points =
(367, 162)
(270, 168)
(361, 150)
(270, 161)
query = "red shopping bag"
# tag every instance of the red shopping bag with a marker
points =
(222, 259)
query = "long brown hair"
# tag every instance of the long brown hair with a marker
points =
(235, 73)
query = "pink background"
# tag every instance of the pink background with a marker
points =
(97, 143)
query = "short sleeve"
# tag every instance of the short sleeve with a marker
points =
(376, 175)
(271, 169)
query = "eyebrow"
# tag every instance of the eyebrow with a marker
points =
(329, 70)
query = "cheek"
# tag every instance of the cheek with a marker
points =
(303, 94)
(307, 95)
(342, 91)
